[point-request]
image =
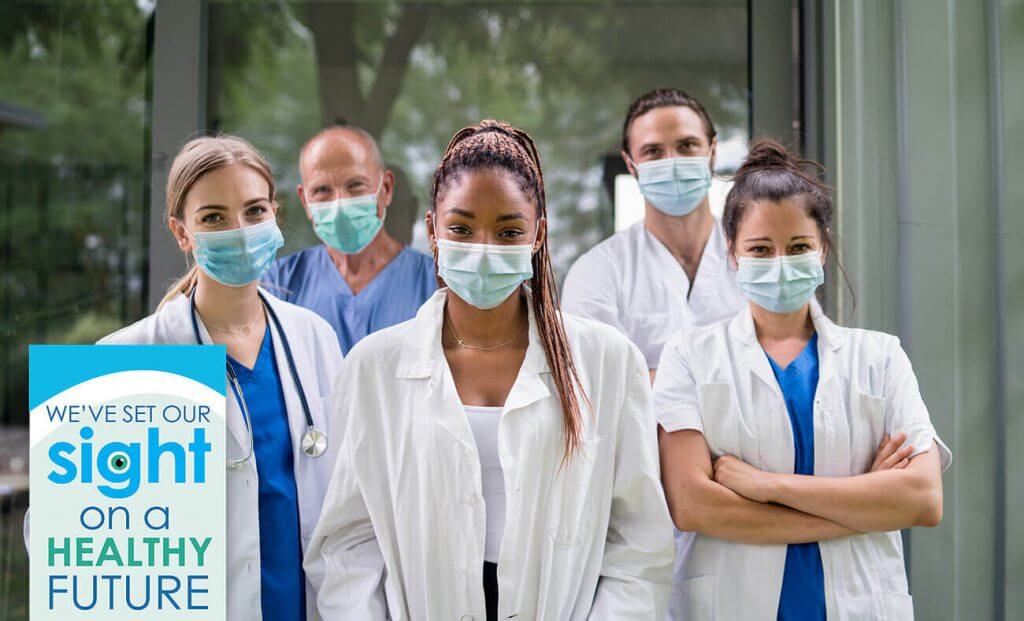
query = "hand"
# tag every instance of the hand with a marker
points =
(892, 454)
(742, 478)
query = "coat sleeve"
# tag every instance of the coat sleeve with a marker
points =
(344, 562)
(676, 403)
(905, 409)
(639, 550)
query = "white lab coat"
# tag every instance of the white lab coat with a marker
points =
(317, 359)
(403, 528)
(632, 282)
(717, 380)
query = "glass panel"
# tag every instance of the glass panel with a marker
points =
(413, 74)
(73, 209)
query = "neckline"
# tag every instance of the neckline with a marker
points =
(802, 360)
(239, 367)
(707, 259)
(485, 409)
(346, 289)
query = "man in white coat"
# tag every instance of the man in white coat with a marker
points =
(669, 270)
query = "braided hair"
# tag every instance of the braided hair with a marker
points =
(497, 145)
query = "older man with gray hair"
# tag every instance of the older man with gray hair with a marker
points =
(360, 279)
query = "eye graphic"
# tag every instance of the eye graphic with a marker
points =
(118, 462)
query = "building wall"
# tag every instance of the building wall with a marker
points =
(919, 133)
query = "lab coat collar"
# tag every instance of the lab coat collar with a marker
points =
(422, 353)
(830, 338)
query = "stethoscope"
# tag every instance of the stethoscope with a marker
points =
(314, 441)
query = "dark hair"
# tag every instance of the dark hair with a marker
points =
(662, 98)
(771, 173)
(498, 145)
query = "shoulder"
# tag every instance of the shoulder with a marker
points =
(868, 344)
(169, 324)
(281, 270)
(419, 263)
(608, 254)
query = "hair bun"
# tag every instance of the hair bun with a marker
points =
(766, 153)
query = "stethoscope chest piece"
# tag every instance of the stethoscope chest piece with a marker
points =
(314, 442)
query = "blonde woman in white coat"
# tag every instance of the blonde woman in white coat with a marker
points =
(794, 450)
(499, 460)
(221, 210)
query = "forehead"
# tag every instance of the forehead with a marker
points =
(485, 191)
(229, 186)
(665, 124)
(784, 218)
(339, 151)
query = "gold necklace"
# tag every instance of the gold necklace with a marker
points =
(243, 330)
(463, 345)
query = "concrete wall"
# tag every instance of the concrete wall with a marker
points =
(923, 133)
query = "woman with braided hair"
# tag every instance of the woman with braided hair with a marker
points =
(499, 459)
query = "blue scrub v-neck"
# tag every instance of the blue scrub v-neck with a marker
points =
(310, 279)
(803, 583)
(282, 581)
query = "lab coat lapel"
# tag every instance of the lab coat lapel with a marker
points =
(751, 352)
(422, 359)
(530, 386)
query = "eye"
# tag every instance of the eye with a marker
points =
(511, 233)
(459, 229)
(759, 250)
(321, 189)
(211, 218)
(256, 210)
(800, 248)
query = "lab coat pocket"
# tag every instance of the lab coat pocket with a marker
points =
(898, 606)
(694, 599)
(720, 418)
(571, 518)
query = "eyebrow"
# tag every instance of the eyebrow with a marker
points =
(512, 216)
(463, 213)
(248, 203)
(768, 239)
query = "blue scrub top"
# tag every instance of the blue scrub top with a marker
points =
(310, 279)
(283, 592)
(803, 583)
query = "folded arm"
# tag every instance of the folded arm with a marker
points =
(698, 503)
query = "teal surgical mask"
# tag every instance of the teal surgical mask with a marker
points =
(676, 185)
(484, 275)
(237, 257)
(348, 224)
(781, 284)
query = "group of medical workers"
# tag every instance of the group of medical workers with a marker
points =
(479, 451)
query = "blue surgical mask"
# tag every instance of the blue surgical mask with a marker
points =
(675, 185)
(484, 275)
(238, 257)
(781, 284)
(348, 224)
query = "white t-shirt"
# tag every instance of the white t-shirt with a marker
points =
(632, 282)
(484, 423)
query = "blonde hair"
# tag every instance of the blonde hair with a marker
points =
(198, 157)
